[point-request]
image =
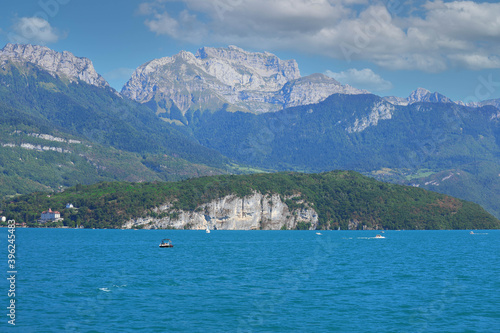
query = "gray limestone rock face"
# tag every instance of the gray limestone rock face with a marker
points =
(253, 212)
(214, 77)
(56, 63)
(379, 111)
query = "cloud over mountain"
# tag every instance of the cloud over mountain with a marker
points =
(432, 36)
(33, 30)
(364, 78)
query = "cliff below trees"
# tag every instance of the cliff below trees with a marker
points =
(252, 212)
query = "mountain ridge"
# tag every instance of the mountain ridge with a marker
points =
(420, 95)
(57, 63)
(248, 81)
(283, 86)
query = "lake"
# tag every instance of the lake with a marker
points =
(254, 281)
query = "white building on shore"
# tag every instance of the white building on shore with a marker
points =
(50, 216)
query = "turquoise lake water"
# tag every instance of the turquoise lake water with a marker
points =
(254, 281)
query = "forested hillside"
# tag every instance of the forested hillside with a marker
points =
(340, 198)
(55, 134)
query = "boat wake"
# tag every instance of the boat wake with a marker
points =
(370, 237)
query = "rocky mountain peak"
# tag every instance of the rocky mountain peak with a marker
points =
(424, 95)
(319, 78)
(212, 77)
(265, 64)
(420, 92)
(56, 63)
(417, 96)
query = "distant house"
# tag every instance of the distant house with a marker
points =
(50, 216)
(68, 205)
(3, 218)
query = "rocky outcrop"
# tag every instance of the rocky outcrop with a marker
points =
(257, 211)
(214, 77)
(312, 89)
(417, 96)
(491, 102)
(424, 95)
(63, 64)
(379, 111)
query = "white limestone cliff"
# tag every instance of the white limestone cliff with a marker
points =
(379, 111)
(253, 212)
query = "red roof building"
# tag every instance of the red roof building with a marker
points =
(50, 216)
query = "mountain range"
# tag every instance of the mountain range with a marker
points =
(227, 110)
(419, 95)
(230, 78)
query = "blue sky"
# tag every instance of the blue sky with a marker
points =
(389, 47)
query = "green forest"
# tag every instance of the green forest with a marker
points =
(337, 196)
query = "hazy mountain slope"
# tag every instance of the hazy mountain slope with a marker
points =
(36, 155)
(363, 133)
(98, 114)
(356, 131)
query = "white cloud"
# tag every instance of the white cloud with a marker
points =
(433, 37)
(476, 61)
(184, 27)
(163, 24)
(33, 30)
(146, 8)
(362, 79)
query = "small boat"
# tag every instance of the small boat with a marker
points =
(319, 233)
(207, 230)
(472, 232)
(166, 243)
(379, 236)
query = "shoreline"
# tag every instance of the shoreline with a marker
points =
(315, 230)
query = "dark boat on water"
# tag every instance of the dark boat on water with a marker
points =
(166, 243)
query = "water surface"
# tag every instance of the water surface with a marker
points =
(255, 281)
